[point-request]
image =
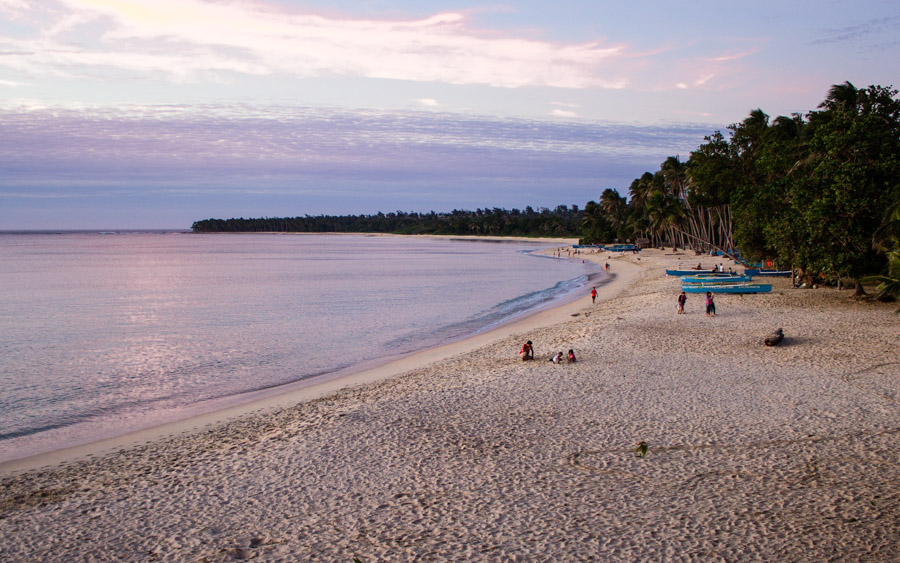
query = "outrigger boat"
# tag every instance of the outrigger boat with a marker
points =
(622, 248)
(726, 288)
(691, 272)
(611, 247)
(717, 278)
(771, 273)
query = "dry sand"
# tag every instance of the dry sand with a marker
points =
(754, 453)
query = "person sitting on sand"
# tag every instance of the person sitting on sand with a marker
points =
(527, 351)
(557, 358)
(570, 358)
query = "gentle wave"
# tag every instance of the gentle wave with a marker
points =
(507, 311)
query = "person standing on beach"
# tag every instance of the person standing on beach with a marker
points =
(593, 295)
(710, 305)
(527, 351)
(682, 299)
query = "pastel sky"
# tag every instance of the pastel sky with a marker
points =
(155, 113)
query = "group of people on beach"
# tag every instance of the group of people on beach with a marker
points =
(710, 304)
(527, 354)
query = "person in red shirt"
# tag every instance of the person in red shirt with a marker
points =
(527, 351)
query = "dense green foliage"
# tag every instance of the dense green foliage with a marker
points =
(560, 222)
(815, 192)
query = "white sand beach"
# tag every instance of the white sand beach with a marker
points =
(466, 453)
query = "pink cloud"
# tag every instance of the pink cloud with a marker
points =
(253, 38)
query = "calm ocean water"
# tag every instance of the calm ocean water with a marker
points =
(106, 333)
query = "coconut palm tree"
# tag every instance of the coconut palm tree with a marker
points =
(665, 213)
(592, 223)
(842, 96)
(640, 189)
(614, 206)
(675, 177)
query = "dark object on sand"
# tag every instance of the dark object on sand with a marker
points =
(641, 449)
(775, 338)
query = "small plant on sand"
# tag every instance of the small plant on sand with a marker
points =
(888, 284)
(641, 449)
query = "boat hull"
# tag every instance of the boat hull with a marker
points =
(736, 288)
(714, 279)
(770, 273)
(680, 273)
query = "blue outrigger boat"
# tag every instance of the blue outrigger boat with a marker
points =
(622, 248)
(691, 272)
(770, 273)
(726, 288)
(717, 278)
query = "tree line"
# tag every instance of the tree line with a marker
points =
(817, 192)
(563, 221)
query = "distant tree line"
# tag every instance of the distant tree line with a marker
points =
(563, 221)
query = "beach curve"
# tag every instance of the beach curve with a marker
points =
(785, 453)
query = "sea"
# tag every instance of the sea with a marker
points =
(104, 333)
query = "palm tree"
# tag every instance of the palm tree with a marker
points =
(842, 96)
(675, 177)
(786, 128)
(640, 190)
(665, 213)
(591, 222)
(614, 206)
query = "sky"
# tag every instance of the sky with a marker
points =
(141, 114)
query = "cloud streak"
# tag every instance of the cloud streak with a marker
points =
(225, 150)
(860, 31)
(191, 38)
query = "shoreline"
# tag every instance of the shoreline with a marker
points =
(266, 400)
(785, 453)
